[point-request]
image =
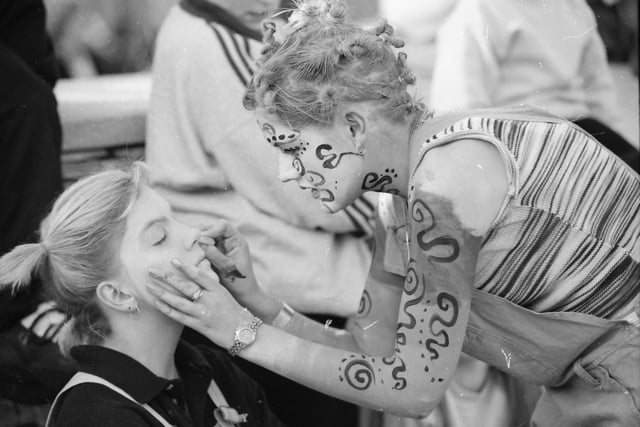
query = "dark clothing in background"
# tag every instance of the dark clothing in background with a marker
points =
(30, 178)
(30, 135)
(612, 140)
(182, 402)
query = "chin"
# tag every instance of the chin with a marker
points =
(327, 208)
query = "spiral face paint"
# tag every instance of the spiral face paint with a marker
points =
(318, 161)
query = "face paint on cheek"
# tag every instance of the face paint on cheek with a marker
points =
(269, 133)
(317, 180)
(298, 166)
(331, 160)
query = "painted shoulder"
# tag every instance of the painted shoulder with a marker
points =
(471, 175)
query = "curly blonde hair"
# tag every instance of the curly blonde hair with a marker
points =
(324, 61)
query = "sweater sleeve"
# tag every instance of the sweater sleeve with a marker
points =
(598, 82)
(466, 69)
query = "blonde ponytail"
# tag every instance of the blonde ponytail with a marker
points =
(77, 251)
(18, 267)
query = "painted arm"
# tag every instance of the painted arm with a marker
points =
(429, 329)
(372, 328)
(429, 333)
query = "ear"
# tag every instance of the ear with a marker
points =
(357, 128)
(113, 296)
(356, 123)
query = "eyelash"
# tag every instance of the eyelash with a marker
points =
(292, 150)
(162, 239)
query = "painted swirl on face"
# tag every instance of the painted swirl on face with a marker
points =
(422, 213)
(331, 160)
(358, 372)
(365, 305)
(277, 140)
(316, 180)
(296, 163)
(380, 182)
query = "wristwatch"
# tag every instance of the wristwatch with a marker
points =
(245, 336)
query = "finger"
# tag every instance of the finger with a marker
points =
(219, 230)
(183, 287)
(44, 323)
(176, 315)
(176, 302)
(221, 263)
(206, 280)
(53, 330)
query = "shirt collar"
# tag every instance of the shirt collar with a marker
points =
(212, 12)
(133, 377)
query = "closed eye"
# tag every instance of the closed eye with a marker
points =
(158, 235)
(291, 149)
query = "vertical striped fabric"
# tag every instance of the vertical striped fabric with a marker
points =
(569, 238)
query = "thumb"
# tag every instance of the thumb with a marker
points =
(223, 265)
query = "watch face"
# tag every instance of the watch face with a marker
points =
(245, 335)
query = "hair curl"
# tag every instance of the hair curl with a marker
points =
(324, 61)
(77, 250)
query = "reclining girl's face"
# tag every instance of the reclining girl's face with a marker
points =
(153, 238)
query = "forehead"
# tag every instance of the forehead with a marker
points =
(147, 206)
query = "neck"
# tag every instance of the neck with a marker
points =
(148, 341)
(389, 171)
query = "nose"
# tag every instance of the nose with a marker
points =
(286, 170)
(191, 237)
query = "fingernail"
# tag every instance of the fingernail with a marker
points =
(156, 272)
(153, 287)
(206, 240)
(176, 262)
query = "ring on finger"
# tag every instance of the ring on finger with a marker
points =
(197, 294)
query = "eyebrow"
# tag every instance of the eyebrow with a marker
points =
(152, 222)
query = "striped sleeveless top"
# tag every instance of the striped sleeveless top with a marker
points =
(568, 235)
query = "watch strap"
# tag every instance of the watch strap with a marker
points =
(238, 345)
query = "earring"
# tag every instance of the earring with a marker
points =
(362, 149)
(133, 310)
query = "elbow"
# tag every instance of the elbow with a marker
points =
(415, 407)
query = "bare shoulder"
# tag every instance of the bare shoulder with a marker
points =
(471, 174)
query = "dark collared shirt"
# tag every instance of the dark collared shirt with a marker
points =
(182, 402)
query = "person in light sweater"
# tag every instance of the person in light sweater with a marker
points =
(493, 53)
(208, 159)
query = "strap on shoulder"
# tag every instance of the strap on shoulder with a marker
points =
(83, 377)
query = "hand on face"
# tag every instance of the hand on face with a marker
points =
(200, 302)
(230, 258)
(214, 311)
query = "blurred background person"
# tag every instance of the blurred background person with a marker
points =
(210, 161)
(494, 53)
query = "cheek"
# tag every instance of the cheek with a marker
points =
(298, 165)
